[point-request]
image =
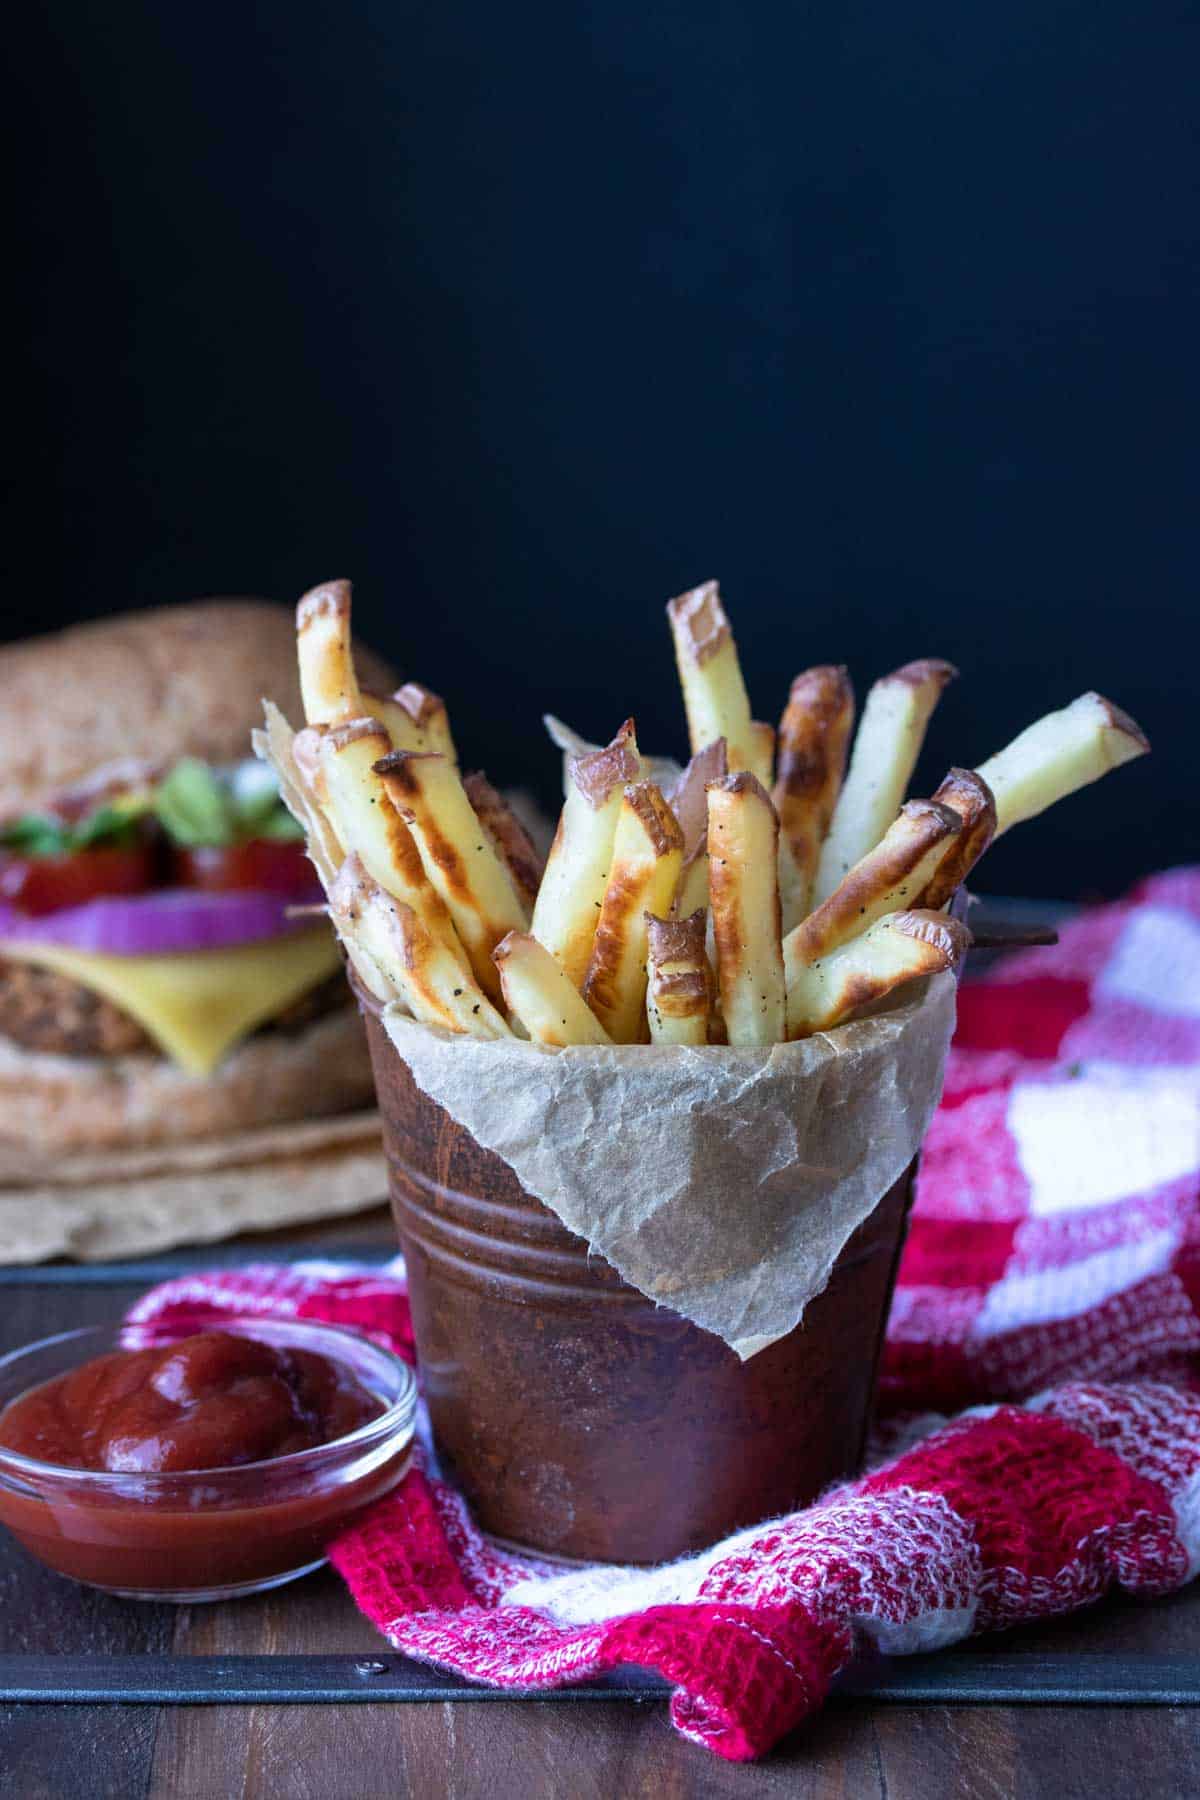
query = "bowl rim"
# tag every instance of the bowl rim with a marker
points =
(398, 1419)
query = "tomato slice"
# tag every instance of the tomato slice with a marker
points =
(277, 868)
(46, 884)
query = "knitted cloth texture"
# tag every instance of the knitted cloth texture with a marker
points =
(1048, 1298)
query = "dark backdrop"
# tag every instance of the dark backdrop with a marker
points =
(528, 317)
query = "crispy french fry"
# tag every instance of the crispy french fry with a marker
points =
(646, 858)
(419, 718)
(328, 683)
(432, 982)
(888, 879)
(898, 948)
(538, 992)
(663, 771)
(714, 694)
(572, 890)
(965, 792)
(743, 877)
(357, 803)
(886, 748)
(459, 861)
(1061, 752)
(506, 834)
(679, 987)
(814, 737)
(688, 800)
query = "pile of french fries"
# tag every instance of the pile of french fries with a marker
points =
(777, 886)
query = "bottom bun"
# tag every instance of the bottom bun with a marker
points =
(51, 1106)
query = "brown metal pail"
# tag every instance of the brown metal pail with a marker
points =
(579, 1418)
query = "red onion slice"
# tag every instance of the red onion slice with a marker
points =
(168, 921)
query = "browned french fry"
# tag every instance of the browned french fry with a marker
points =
(661, 770)
(886, 747)
(679, 987)
(538, 992)
(646, 858)
(965, 792)
(358, 805)
(328, 683)
(743, 878)
(714, 694)
(688, 800)
(459, 861)
(888, 879)
(814, 737)
(427, 716)
(506, 834)
(572, 889)
(898, 948)
(1061, 752)
(431, 982)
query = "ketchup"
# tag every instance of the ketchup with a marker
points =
(207, 1402)
(163, 1473)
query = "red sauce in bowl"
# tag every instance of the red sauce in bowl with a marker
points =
(215, 1464)
(213, 1401)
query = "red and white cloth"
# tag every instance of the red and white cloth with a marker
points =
(1050, 1285)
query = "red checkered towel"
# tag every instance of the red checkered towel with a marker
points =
(1050, 1286)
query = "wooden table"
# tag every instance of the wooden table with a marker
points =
(923, 1742)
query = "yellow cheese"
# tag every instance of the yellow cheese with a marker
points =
(197, 1005)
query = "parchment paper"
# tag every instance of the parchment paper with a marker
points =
(721, 1182)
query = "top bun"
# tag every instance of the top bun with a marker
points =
(151, 686)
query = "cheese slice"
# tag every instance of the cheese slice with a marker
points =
(197, 1006)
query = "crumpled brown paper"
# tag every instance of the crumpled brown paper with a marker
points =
(721, 1182)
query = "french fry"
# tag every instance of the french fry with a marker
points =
(692, 893)
(814, 737)
(898, 948)
(688, 800)
(663, 771)
(888, 879)
(417, 720)
(647, 855)
(965, 792)
(369, 825)
(328, 684)
(760, 755)
(432, 982)
(679, 988)
(743, 877)
(714, 694)
(459, 861)
(538, 992)
(886, 748)
(506, 834)
(572, 890)
(1061, 752)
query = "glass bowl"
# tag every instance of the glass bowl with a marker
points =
(208, 1534)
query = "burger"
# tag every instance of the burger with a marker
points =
(166, 972)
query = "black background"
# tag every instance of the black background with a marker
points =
(527, 318)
